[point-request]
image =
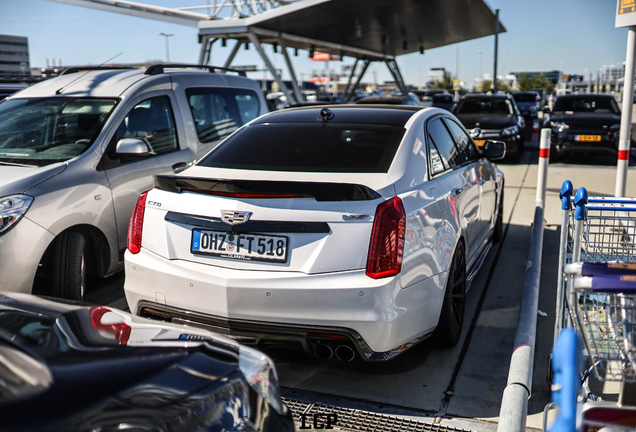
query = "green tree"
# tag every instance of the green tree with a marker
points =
(540, 81)
(503, 86)
(486, 85)
(525, 83)
(445, 84)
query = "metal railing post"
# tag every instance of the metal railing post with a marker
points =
(544, 157)
(566, 206)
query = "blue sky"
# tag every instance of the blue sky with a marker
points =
(576, 36)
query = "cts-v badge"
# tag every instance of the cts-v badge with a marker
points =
(231, 217)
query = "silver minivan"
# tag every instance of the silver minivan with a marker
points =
(77, 150)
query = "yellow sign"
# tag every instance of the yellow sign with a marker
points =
(275, 87)
(625, 13)
(626, 6)
(457, 85)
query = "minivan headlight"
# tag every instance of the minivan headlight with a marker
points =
(260, 374)
(12, 208)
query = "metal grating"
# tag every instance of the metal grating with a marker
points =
(358, 420)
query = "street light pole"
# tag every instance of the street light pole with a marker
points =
(166, 35)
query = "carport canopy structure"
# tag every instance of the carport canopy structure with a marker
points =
(367, 30)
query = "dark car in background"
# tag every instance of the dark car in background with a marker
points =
(70, 367)
(427, 95)
(493, 117)
(584, 123)
(388, 100)
(529, 103)
(543, 95)
(444, 100)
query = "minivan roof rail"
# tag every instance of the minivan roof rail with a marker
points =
(159, 68)
(75, 69)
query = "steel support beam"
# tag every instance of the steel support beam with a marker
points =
(355, 86)
(346, 89)
(257, 44)
(292, 74)
(230, 58)
(395, 71)
(205, 49)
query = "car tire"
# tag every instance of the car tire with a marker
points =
(451, 320)
(497, 234)
(69, 267)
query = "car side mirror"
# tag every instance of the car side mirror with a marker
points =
(130, 148)
(494, 150)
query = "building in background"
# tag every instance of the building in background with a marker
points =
(554, 76)
(437, 74)
(14, 57)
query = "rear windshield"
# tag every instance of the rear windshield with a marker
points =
(525, 97)
(309, 148)
(485, 106)
(587, 104)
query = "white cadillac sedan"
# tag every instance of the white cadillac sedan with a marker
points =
(345, 230)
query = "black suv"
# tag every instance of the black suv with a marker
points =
(493, 117)
(584, 123)
(529, 103)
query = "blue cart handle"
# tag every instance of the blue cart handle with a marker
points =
(565, 195)
(580, 200)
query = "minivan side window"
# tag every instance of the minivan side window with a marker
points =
(152, 122)
(465, 145)
(442, 147)
(217, 112)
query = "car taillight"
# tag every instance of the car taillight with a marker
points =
(387, 240)
(120, 330)
(136, 224)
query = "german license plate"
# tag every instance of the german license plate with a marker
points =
(480, 143)
(592, 138)
(246, 247)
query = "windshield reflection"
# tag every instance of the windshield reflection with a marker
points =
(41, 131)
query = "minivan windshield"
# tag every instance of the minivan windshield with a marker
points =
(350, 148)
(42, 131)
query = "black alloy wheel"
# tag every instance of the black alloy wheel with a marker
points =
(449, 328)
(68, 279)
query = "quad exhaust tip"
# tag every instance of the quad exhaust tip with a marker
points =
(323, 351)
(345, 353)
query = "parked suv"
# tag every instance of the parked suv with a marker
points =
(76, 151)
(493, 117)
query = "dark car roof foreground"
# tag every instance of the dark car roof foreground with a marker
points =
(62, 368)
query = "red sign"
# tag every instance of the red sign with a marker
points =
(318, 79)
(321, 56)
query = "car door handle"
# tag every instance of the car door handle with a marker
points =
(179, 166)
(458, 191)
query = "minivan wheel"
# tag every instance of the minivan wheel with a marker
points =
(451, 319)
(69, 267)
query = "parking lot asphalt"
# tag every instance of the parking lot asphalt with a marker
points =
(459, 387)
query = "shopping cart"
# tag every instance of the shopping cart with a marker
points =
(596, 296)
